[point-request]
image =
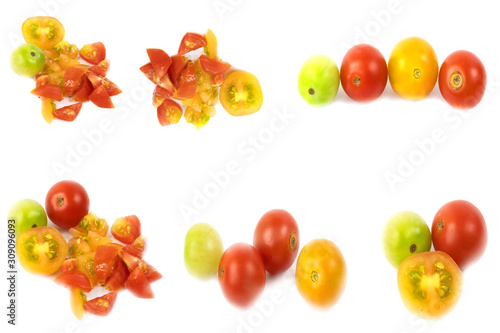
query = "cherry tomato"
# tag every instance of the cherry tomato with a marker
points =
(27, 60)
(97, 81)
(169, 112)
(241, 94)
(187, 83)
(71, 80)
(119, 275)
(27, 214)
(203, 249)
(211, 47)
(413, 68)
(179, 63)
(69, 265)
(430, 284)
(137, 248)
(462, 80)
(163, 81)
(90, 222)
(77, 246)
(74, 280)
(101, 98)
(459, 229)
(138, 284)
(126, 229)
(321, 273)
(85, 266)
(363, 73)
(83, 91)
(213, 66)
(93, 53)
(66, 203)
(49, 91)
(65, 48)
(68, 112)
(160, 95)
(43, 31)
(41, 250)
(160, 61)
(276, 237)
(77, 298)
(191, 42)
(101, 306)
(101, 68)
(242, 274)
(104, 261)
(132, 263)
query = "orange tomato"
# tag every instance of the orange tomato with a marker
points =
(43, 31)
(241, 94)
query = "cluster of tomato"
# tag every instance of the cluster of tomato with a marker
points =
(413, 71)
(241, 269)
(63, 74)
(430, 282)
(89, 259)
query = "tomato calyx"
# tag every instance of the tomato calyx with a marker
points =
(292, 241)
(417, 73)
(456, 81)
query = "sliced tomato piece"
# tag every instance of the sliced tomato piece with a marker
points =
(169, 112)
(85, 265)
(191, 42)
(64, 47)
(69, 112)
(218, 79)
(42, 80)
(101, 98)
(48, 91)
(160, 95)
(138, 284)
(160, 61)
(197, 118)
(130, 261)
(69, 265)
(90, 222)
(119, 275)
(126, 229)
(83, 92)
(213, 66)
(77, 299)
(101, 68)
(74, 280)
(97, 81)
(187, 84)
(101, 306)
(104, 262)
(93, 53)
(163, 81)
(71, 80)
(175, 70)
(150, 272)
(95, 240)
(211, 47)
(43, 31)
(48, 107)
(66, 62)
(137, 248)
(78, 247)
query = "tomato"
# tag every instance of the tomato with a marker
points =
(318, 80)
(163, 81)
(132, 263)
(241, 94)
(137, 248)
(41, 250)
(67, 203)
(187, 83)
(363, 73)
(213, 66)
(101, 98)
(77, 299)
(83, 92)
(43, 31)
(69, 112)
(126, 229)
(242, 274)
(138, 284)
(104, 262)
(459, 229)
(202, 250)
(191, 42)
(65, 48)
(462, 80)
(197, 118)
(72, 79)
(160, 61)
(78, 247)
(101, 68)
(119, 275)
(321, 273)
(90, 222)
(169, 112)
(27, 214)
(69, 265)
(101, 306)
(150, 272)
(48, 108)
(160, 95)
(97, 81)
(27, 60)
(430, 284)
(413, 68)
(74, 280)
(211, 47)
(276, 237)
(405, 234)
(42, 80)
(93, 53)
(85, 266)
(49, 91)
(179, 63)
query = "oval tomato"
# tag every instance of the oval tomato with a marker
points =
(459, 230)
(67, 203)
(241, 94)
(126, 229)
(276, 237)
(430, 284)
(93, 53)
(43, 31)
(363, 73)
(242, 274)
(462, 80)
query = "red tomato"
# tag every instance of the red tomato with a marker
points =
(101, 306)
(71, 80)
(363, 73)
(74, 280)
(101, 98)
(126, 229)
(69, 112)
(213, 66)
(169, 112)
(187, 83)
(67, 203)
(160, 95)
(276, 237)
(93, 53)
(104, 261)
(137, 248)
(163, 81)
(68, 265)
(191, 42)
(48, 91)
(462, 80)
(101, 68)
(119, 275)
(97, 81)
(160, 61)
(242, 274)
(138, 284)
(459, 230)
(83, 92)
(42, 80)
(175, 70)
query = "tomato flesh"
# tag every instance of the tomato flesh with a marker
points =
(84, 90)
(160, 95)
(169, 112)
(241, 94)
(213, 66)
(43, 31)
(137, 248)
(90, 222)
(160, 61)
(49, 91)
(126, 229)
(190, 42)
(104, 262)
(97, 81)
(71, 80)
(138, 284)
(101, 98)
(101, 306)
(93, 53)
(119, 275)
(179, 63)
(69, 112)
(77, 299)
(187, 83)
(74, 280)
(101, 68)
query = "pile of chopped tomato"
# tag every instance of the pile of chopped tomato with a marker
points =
(194, 83)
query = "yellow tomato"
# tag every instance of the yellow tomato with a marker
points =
(43, 31)
(211, 47)
(413, 68)
(241, 94)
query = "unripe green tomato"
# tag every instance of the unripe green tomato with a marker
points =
(27, 60)
(202, 250)
(319, 80)
(27, 214)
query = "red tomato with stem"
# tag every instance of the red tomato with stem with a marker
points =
(67, 203)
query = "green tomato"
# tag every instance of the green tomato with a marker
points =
(27, 214)
(202, 250)
(319, 80)
(405, 234)
(27, 60)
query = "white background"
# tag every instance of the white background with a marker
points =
(326, 166)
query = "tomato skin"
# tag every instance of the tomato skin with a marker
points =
(470, 75)
(68, 112)
(169, 112)
(27, 214)
(276, 237)
(84, 90)
(93, 53)
(160, 61)
(104, 262)
(175, 70)
(119, 275)
(101, 98)
(459, 230)
(101, 306)
(213, 66)
(137, 248)
(48, 91)
(97, 81)
(101, 68)
(191, 42)
(67, 203)
(242, 274)
(363, 73)
(138, 284)
(43, 31)
(126, 229)
(187, 83)
(235, 99)
(74, 280)
(72, 79)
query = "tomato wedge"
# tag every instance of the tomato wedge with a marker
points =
(169, 112)
(160, 61)
(119, 275)
(68, 265)
(93, 53)
(65, 48)
(49, 91)
(101, 68)
(187, 83)
(69, 112)
(104, 262)
(101, 98)
(163, 82)
(42, 80)
(126, 229)
(211, 47)
(97, 81)
(213, 66)
(160, 95)
(43, 31)
(85, 265)
(101, 306)
(48, 107)
(74, 280)
(191, 42)
(77, 299)
(137, 248)
(175, 70)
(71, 80)
(138, 284)
(83, 92)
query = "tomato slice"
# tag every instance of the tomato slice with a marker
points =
(85, 265)
(160, 61)
(71, 80)
(119, 275)
(69, 265)
(211, 47)
(187, 83)
(101, 306)
(48, 107)
(69, 112)
(90, 222)
(93, 53)
(150, 272)
(191, 42)
(197, 118)
(74, 280)
(101, 98)
(42, 80)
(77, 299)
(101, 68)
(83, 92)
(43, 31)
(138, 284)
(65, 48)
(160, 95)
(78, 247)
(213, 66)
(169, 112)
(163, 81)
(104, 262)
(66, 62)
(137, 248)
(97, 81)
(241, 94)
(175, 70)
(126, 229)
(48, 91)
(95, 240)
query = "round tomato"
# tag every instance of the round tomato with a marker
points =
(413, 68)
(43, 31)
(321, 273)
(318, 80)
(41, 250)
(241, 94)
(67, 203)
(459, 230)
(363, 73)
(276, 237)
(462, 80)
(202, 250)
(242, 274)
(430, 284)
(27, 214)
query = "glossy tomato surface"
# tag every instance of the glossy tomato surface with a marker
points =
(66, 203)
